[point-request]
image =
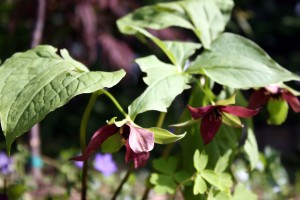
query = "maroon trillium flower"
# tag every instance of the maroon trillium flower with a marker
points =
(138, 141)
(212, 117)
(262, 96)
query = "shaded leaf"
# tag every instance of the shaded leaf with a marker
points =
(112, 144)
(162, 183)
(38, 81)
(166, 165)
(233, 56)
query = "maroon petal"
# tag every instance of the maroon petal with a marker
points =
(140, 140)
(258, 98)
(292, 100)
(239, 111)
(209, 126)
(98, 138)
(198, 113)
(139, 159)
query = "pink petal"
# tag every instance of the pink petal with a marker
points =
(140, 140)
(209, 126)
(292, 100)
(98, 138)
(258, 98)
(201, 111)
(239, 111)
(139, 159)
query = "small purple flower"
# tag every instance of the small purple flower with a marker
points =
(105, 164)
(78, 164)
(5, 164)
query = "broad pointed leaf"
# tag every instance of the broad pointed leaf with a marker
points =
(165, 83)
(38, 81)
(239, 63)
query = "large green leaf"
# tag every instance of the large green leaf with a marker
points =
(164, 84)
(38, 81)
(239, 63)
(205, 17)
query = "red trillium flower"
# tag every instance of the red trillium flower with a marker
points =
(262, 96)
(212, 118)
(138, 141)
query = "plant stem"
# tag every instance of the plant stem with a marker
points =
(124, 180)
(83, 126)
(112, 98)
(161, 119)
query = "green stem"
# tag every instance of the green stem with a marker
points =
(161, 119)
(124, 180)
(112, 98)
(83, 126)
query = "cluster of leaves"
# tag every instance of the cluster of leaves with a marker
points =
(38, 81)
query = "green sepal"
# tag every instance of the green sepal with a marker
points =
(163, 136)
(278, 111)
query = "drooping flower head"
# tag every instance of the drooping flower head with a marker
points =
(212, 117)
(262, 96)
(138, 141)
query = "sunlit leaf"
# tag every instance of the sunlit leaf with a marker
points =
(163, 136)
(241, 192)
(237, 62)
(222, 163)
(251, 148)
(200, 160)
(38, 81)
(200, 186)
(164, 84)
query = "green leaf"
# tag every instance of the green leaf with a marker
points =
(222, 163)
(166, 165)
(38, 81)
(251, 148)
(162, 183)
(15, 192)
(241, 192)
(222, 181)
(200, 160)
(211, 177)
(207, 19)
(278, 111)
(181, 51)
(218, 195)
(181, 176)
(165, 83)
(200, 186)
(163, 136)
(112, 144)
(233, 56)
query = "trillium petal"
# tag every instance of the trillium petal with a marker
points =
(258, 98)
(139, 159)
(140, 140)
(98, 138)
(209, 126)
(292, 100)
(201, 111)
(239, 111)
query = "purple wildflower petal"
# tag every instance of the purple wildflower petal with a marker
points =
(105, 164)
(292, 100)
(201, 111)
(78, 164)
(140, 140)
(139, 159)
(239, 111)
(258, 98)
(209, 126)
(98, 138)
